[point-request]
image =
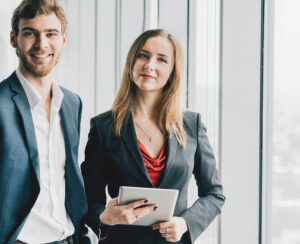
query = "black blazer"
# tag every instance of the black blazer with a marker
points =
(19, 161)
(114, 162)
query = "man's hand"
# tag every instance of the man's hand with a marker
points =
(173, 229)
(125, 214)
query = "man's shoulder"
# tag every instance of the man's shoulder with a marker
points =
(5, 90)
(70, 96)
(4, 84)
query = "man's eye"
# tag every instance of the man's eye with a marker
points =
(28, 33)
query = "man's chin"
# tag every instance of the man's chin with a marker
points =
(39, 70)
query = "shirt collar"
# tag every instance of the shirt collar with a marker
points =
(57, 95)
(34, 97)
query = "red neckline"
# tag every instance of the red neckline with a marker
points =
(161, 152)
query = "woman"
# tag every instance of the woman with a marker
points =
(146, 140)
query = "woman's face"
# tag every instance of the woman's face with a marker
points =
(154, 64)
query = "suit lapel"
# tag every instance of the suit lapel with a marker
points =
(68, 126)
(69, 130)
(22, 104)
(71, 138)
(129, 138)
(172, 148)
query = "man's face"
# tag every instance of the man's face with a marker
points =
(39, 44)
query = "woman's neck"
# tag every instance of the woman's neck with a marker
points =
(145, 105)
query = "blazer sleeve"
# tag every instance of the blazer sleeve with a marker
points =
(210, 191)
(94, 178)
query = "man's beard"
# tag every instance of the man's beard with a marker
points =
(37, 70)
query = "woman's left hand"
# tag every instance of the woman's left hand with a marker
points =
(173, 229)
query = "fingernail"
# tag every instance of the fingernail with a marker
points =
(154, 208)
(145, 201)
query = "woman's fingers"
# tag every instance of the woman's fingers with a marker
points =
(142, 211)
(167, 235)
(136, 204)
(167, 230)
(129, 216)
(125, 214)
(162, 225)
(173, 229)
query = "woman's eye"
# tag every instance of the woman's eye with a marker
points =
(162, 60)
(51, 34)
(141, 55)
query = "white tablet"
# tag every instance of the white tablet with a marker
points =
(165, 199)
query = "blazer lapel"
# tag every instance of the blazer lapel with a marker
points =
(23, 107)
(67, 127)
(129, 138)
(172, 148)
(69, 131)
(71, 140)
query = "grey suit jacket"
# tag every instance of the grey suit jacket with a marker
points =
(19, 161)
(114, 162)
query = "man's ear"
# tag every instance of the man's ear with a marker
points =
(65, 37)
(13, 39)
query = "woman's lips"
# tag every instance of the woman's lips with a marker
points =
(145, 76)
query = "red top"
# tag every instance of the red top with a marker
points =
(154, 166)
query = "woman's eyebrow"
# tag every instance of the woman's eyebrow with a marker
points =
(143, 50)
(160, 54)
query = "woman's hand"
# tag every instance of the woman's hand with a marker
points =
(173, 229)
(115, 214)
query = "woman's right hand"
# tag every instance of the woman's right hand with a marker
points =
(115, 214)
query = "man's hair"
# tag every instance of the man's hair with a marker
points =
(28, 9)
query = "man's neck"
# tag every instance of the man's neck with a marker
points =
(41, 84)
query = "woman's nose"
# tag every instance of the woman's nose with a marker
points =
(150, 65)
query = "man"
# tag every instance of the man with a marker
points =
(42, 198)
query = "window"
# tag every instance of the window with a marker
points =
(204, 82)
(286, 124)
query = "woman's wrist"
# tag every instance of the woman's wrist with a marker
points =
(102, 219)
(184, 224)
(104, 229)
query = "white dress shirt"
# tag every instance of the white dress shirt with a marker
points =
(48, 220)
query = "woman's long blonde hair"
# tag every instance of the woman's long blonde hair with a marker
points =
(169, 116)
